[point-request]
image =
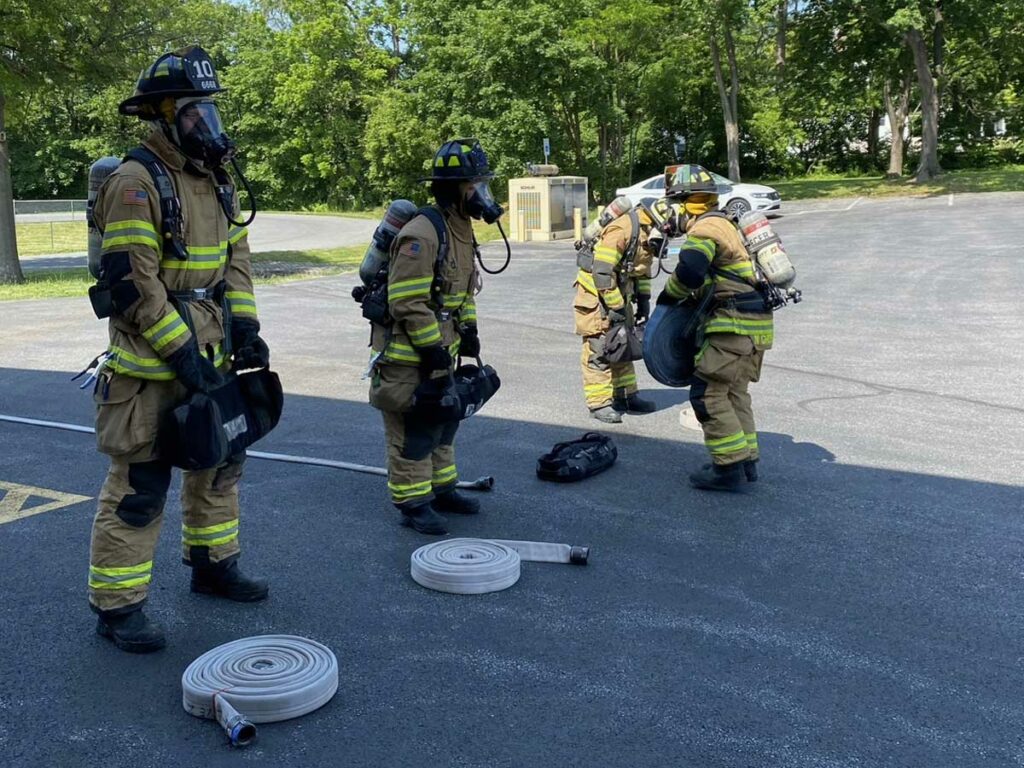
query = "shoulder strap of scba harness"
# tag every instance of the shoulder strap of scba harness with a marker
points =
(170, 205)
(435, 217)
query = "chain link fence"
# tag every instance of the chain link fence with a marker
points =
(61, 210)
(47, 227)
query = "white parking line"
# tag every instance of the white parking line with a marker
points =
(950, 199)
(853, 203)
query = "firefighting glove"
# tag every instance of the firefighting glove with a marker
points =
(250, 350)
(643, 308)
(434, 358)
(617, 316)
(470, 346)
(194, 371)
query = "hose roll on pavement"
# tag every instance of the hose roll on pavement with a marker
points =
(476, 566)
(261, 679)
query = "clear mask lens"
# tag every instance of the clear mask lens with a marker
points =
(480, 203)
(201, 132)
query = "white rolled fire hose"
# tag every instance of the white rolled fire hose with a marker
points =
(476, 566)
(262, 679)
(484, 483)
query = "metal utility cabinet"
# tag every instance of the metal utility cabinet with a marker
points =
(546, 207)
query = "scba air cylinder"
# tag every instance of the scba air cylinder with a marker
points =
(398, 214)
(98, 173)
(766, 247)
(617, 207)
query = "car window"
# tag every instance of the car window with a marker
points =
(655, 183)
(720, 179)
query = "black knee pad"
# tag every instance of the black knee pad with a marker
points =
(149, 481)
(448, 433)
(420, 439)
(697, 389)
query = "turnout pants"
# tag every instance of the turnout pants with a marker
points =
(603, 381)
(421, 457)
(131, 502)
(720, 400)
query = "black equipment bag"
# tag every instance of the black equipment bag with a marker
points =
(623, 343)
(577, 459)
(435, 401)
(474, 385)
(209, 427)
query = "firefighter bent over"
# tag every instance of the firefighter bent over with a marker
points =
(172, 266)
(431, 284)
(736, 332)
(613, 276)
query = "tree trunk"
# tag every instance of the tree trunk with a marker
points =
(873, 119)
(781, 14)
(897, 108)
(928, 168)
(10, 267)
(729, 101)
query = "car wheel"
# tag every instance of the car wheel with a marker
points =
(737, 207)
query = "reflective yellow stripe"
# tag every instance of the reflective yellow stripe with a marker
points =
(675, 289)
(751, 440)
(624, 381)
(125, 362)
(703, 244)
(134, 237)
(429, 334)
(241, 302)
(166, 330)
(211, 535)
(401, 352)
(607, 254)
(613, 299)
(405, 289)
(236, 233)
(730, 444)
(643, 286)
(118, 226)
(445, 475)
(124, 577)
(404, 492)
(586, 280)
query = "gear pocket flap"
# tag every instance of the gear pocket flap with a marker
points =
(114, 389)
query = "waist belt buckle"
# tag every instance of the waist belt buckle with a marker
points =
(201, 294)
(444, 315)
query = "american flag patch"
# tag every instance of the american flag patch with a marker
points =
(414, 247)
(135, 197)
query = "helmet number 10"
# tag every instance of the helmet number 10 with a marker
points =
(203, 68)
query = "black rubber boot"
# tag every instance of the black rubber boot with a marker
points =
(607, 414)
(423, 519)
(634, 404)
(132, 631)
(455, 503)
(717, 478)
(749, 469)
(226, 580)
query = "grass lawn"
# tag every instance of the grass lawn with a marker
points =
(42, 237)
(1007, 179)
(269, 268)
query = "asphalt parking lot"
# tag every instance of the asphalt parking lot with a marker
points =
(859, 606)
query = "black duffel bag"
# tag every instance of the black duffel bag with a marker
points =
(475, 385)
(623, 343)
(577, 459)
(212, 426)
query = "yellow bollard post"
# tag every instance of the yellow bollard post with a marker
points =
(577, 224)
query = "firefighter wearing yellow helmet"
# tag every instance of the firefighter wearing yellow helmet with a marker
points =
(174, 267)
(613, 295)
(736, 332)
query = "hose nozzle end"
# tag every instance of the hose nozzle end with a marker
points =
(242, 734)
(579, 555)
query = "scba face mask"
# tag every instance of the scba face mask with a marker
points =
(201, 133)
(480, 203)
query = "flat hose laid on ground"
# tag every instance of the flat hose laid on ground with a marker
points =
(476, 566)
(484, 483)
(260, 679)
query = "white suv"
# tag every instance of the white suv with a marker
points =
(737, 199)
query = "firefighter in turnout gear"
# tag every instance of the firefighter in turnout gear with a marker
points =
(171, 278)
(736, 332)
(432, 282)
(613, 287)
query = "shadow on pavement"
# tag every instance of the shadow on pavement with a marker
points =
(831, 615)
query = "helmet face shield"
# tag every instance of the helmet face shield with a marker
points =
(201, 132)
(480, 203)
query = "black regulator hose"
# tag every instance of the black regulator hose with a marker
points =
(248, 191)
(508, 254)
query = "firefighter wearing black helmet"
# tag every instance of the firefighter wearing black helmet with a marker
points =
(433, 311)
(172, 277)
(736, 332)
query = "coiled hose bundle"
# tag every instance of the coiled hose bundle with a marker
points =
(261, 679)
